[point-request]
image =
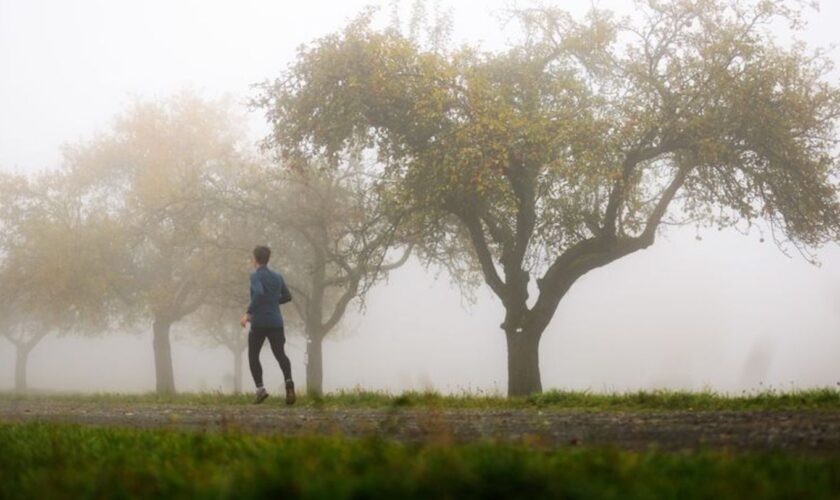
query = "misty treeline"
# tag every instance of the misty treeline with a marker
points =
(153, 223)
(524, 169)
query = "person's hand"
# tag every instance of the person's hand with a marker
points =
(244, 319)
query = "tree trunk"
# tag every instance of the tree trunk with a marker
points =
(164, 375)
(21, 358)
(237, 371)
(315, 365)
(523, 363)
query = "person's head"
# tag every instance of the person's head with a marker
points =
(261, 255)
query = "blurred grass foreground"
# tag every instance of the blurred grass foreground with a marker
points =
(61, 460)
(68, 461)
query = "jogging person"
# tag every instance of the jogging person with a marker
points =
(268, 291)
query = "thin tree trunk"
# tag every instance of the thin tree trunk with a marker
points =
(237, 371)
(315, 365)
(21, 359)
(22, 351)
(523, 363)
(164, 374)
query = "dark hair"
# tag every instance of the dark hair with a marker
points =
(262, 254)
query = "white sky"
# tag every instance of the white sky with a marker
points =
(726, 313)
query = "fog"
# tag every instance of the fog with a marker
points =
(726, 312)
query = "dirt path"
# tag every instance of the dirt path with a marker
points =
(805, 431)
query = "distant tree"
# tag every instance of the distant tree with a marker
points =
(329, 238)
(215, 325)
(22, 334)
(53, 246)
(574, 147)
(11, 329)
(153, 170)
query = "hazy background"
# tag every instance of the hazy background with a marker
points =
(728, 312)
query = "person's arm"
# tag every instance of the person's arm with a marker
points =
(285, 294)
(257, 291)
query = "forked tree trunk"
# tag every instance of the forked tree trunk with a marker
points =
(315, 365)
(523, 363)
(21, 359)
(164, 375)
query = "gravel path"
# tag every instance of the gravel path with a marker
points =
(801, 431)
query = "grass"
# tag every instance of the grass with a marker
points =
(67, 461)
(814, 399)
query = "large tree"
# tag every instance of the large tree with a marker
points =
(571, 149)
(154, 171)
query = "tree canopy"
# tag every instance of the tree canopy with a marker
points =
(52, 250)
(155, 171)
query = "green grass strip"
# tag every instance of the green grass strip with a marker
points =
(67, 461)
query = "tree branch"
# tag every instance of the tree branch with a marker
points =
(399, 262)
(661, 207)
(485, 257)
(341, 306)
(596, 252)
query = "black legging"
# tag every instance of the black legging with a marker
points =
(276, 339)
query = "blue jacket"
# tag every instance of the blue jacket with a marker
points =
(268, 291)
